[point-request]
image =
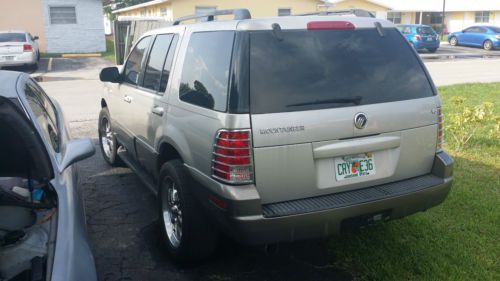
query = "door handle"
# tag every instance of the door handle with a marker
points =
(158, 110)
(127, 99)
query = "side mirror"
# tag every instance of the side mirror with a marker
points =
(110, 74)
(76, 150)
(36, 38)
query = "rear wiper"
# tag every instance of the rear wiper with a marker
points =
(354, 100)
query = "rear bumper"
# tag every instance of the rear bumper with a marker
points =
(19, 59)
(426, 45)
(249, 222)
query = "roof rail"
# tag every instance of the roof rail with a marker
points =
(356, 12)
(239, 14)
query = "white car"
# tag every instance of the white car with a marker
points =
(18, 48)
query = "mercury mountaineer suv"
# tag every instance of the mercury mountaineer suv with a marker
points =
(275, 129)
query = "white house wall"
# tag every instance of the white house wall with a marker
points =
(86, 36)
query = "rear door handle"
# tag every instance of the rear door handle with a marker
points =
(158, 110)
(127, 99)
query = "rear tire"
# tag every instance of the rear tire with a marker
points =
(107, 139)
(488, 45)
(187, 234)
(432, 50)
(454, 41)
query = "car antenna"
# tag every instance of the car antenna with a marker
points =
(277, 31)
(380, 29)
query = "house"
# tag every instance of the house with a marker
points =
(171, 9)
(459, 13)
(64, 26)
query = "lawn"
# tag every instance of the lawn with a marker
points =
(458, 240)
(110, 51)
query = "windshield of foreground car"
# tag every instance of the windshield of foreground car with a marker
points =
(12, 37)
(307, 70)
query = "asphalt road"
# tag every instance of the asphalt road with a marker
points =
(122, 216)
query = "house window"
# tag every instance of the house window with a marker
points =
(62, 15)
(283, 12)
(204, 10)
(436, 18)
(483, 16)
(395, 17)
(163, 12)
(143, 13)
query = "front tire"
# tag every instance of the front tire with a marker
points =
(454, 41)
(187, 234)
(107, 139)
(488, 45)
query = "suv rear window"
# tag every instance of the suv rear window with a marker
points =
(12, 37)
(321, 69)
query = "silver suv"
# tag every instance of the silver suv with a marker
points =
(275, 129)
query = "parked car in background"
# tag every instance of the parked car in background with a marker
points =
(42, 222)
(249, 139)
(487, 37)
(420, 36)
(18, 48)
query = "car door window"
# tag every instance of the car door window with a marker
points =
(133, 66)
(152, 74)
(45, 114)
(167, 67)
(481, 30)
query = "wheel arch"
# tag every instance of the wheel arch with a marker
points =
(167, 152)
(103, 103)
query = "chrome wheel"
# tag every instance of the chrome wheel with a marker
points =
(453, 41)
(106, 137)
(488, 45)
(172, 212)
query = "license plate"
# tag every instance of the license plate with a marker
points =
(354, 166)
(429, 39)
(7, 58)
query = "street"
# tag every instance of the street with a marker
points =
(122, 214)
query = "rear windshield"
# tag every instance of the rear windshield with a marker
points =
(308, 70)
(12, 37)
(425, 30)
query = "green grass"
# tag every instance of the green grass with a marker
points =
(458, 240)
(50, 55)
(110, 51)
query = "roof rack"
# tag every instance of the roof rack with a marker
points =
(356, 12)
(239, 14)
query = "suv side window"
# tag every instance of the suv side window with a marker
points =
(132, 69)
(205, 74)
(167, 67)
(45, 113)
(152, 74)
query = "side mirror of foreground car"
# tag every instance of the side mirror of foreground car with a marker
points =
(110, 74)
(76, 150)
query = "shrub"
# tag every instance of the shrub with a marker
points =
(462, 126)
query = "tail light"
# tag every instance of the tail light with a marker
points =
(329, 25)
(27, 48)
(440, 134)
(497, 36)
(232, 157)
(418, 37)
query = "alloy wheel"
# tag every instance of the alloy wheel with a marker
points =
(106, 137)
(172, 212)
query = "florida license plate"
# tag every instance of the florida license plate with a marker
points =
(429, 39)
(7, 58)
(354, 166)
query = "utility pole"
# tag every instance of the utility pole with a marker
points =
(442, 19)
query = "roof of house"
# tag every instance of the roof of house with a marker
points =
(146, 4)
(435, 5)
